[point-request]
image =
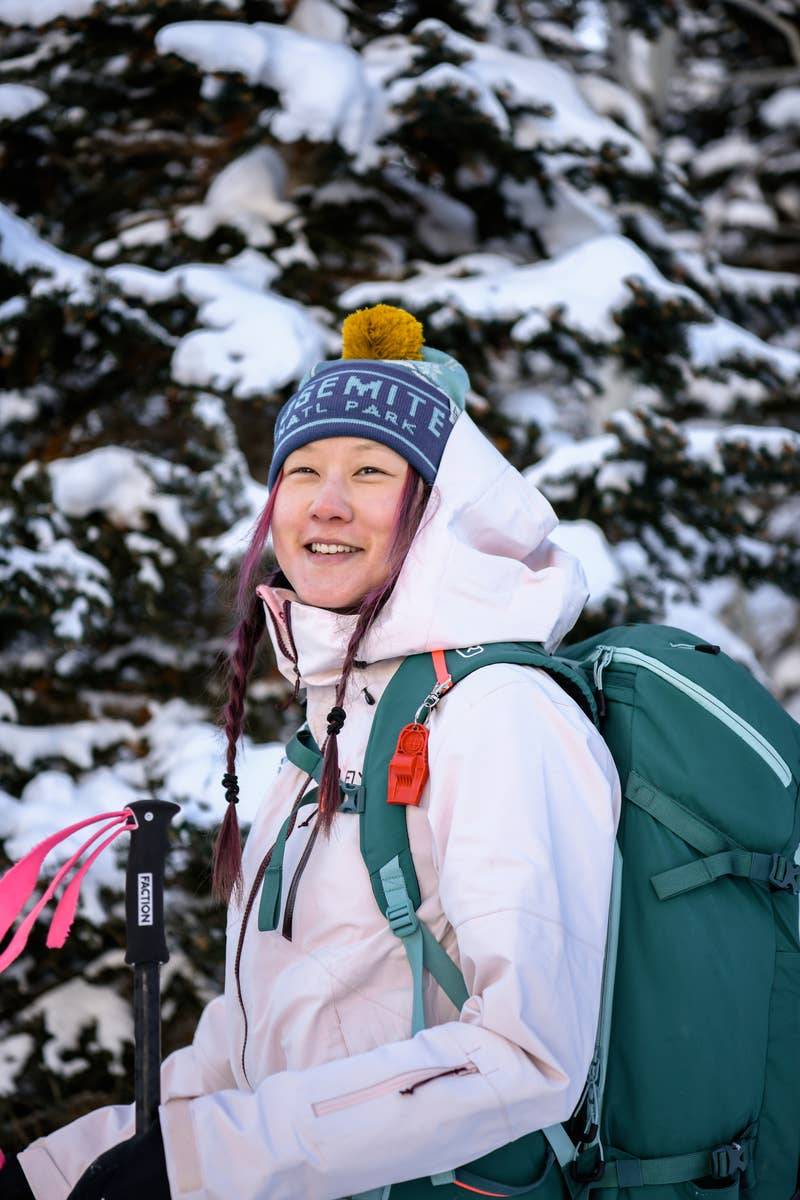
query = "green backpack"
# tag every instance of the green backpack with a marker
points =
(694, 1089)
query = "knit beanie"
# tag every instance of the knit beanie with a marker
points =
(387, 387)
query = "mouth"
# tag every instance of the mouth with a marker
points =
(331, 549)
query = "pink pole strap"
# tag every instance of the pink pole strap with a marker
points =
(18, 883)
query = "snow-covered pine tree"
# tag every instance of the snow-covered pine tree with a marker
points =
(591, 204)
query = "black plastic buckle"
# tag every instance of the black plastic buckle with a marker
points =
(582, 1174)
(727, 1160)
(784, 874)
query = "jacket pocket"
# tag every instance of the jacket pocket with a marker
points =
(405, 1083)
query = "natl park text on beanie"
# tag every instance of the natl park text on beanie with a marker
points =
(408, 403)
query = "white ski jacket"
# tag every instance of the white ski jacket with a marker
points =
(293, 1085)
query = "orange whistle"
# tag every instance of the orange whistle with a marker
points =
(408, 769)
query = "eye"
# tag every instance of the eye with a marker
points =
(370, 471)
(301, 471)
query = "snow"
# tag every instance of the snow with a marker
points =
(612, 100)
(113, 480)
(15, 1051)
(732, 153)
(720, 342)
(17, 100)
(228, 549)
(587, 542)
(320, 18)
(29, 745)
(324, 94)
(41, 12)
(522, 80)
(587, 282)
(782, 109)
(8, 709)
(451, 80)
(187, 754)
(14, 406)
(748, 282)
(552, 474)
(705, 444)
(328, 92)
(74, 1006)
(256, 341)
(702, 620)
(247, 195)
(22, 249)
(62, 562)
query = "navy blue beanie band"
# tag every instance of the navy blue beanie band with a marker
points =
(384, 400)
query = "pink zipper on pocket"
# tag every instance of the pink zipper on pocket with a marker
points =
(397, 1083)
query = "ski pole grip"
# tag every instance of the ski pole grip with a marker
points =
(144, 884)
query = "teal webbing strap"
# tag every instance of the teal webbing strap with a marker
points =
(740, 863)
(442, 1178)
(405, 924)
(561, 1144)
(421, 946)
(722, 1163)
(441, 966)
(558, 1138)
(655, 1171)
(270, 904)
(670, 813)
(609, 976)
(303, 752)
(380, 1193)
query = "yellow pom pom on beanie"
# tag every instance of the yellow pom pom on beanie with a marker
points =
(382, 332)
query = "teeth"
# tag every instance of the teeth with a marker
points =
(324, 548)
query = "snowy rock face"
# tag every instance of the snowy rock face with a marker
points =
(593, 209)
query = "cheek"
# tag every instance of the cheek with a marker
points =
(282, 527)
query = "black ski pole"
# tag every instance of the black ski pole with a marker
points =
(147, 948)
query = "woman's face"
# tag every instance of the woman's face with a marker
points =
(333, 519)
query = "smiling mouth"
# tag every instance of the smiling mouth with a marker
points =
(331, 548)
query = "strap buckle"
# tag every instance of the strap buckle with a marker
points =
(402, 919)
(726, 1161)
(354, 798)
(587, 1174)
(784, 874)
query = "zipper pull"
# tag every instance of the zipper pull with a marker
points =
(600, 663)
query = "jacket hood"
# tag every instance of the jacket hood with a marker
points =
(480, 569)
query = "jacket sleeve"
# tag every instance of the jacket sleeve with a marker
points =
(523, 806)
(54, 1164)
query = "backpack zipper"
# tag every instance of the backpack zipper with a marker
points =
(604, 655)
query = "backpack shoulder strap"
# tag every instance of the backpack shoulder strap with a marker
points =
(384, 835)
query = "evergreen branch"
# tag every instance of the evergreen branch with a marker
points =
(789, 31)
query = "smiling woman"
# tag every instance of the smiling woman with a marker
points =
(335, 518)
(407, 1007)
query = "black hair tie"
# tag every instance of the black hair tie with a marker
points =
(336, 718)
(231, 785)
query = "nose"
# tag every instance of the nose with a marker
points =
(331, 501)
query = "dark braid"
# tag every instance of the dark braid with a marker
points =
(227, 865)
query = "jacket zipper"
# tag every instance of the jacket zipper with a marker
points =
(604, 655)
(259, 877)
(396, 1083)
(287, 649)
